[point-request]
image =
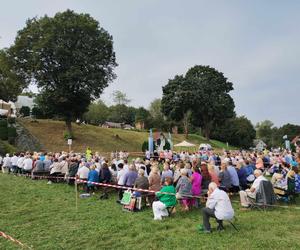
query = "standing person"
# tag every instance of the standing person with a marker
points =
(165, 200)
(218, 206)
(196, 180)
(27, 164)
(6, 164)
(14, 163)
(120, 180)
(20, 163)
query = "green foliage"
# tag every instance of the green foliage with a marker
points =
(97, 113)
(5, 148)
(3, 123)
(68, 135)
(30, 206)
(120, 98)
(122, 114)
(145, 146)
(236, 131)
(3, 133)
(11, 132)
(204, 92)
(11, 84)
(24, 111)
(71, 59)
(11, 120)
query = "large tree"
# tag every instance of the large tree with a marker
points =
(202, 94)
(11, 84)
(69, 57)
(237, 131)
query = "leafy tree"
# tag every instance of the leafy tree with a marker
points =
(237, 131)
(120, 98)
(25, 111)
(264, 131)
(69, 57)
(97, 113)
(122, 114)
(11, 85)
(143, 115)
(204, 93)
(291, 130)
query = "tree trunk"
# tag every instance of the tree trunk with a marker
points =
(186, 120)
(69, 126)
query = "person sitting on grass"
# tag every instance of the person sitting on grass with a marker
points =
(184, 189)
(218, 206)
(164, 200)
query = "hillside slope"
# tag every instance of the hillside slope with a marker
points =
(50, 133)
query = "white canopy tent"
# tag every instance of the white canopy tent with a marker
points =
(185, 144)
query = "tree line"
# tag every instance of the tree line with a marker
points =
(71, 60)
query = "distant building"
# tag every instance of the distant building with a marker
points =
(117, 125)
(140, 125)
(259, 145)
(111, 125)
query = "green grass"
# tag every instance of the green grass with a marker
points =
(50, 134)
(45, 217)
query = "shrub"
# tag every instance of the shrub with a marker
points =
(3, 133)
(68, 135)
(11, 132)
(25, 111)
(3, 123)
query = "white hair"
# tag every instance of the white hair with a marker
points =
(212, 186)
(184, 171)
(258, 172)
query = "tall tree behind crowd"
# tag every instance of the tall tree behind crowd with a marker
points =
(202, 94)
(11, 84)
(69, 57)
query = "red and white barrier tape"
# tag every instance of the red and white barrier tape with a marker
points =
(4, 235)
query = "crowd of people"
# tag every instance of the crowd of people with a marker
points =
(182, 176)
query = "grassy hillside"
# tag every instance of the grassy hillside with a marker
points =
(50, 133)
(45, 217)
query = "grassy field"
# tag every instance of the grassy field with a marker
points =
(50, 133)
(45, 217)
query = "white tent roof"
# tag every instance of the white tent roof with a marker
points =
(3, 112)
(185, 144)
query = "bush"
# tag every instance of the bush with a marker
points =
(3, 133)
(25, 111)
(11, 132)
(3, 123)
(11, 120)
(68, 135)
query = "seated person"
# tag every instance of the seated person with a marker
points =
(251, 193)
(141, 182)
(218, 206)
(184, 189)
(165, 200)
(93, 176)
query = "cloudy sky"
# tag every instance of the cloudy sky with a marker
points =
(256, 44)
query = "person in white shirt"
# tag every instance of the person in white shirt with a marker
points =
(27, 164)
(14, 163)
(82, 174)
(20, 163)
(120, 179)
(218, 206)
(251, 193)
(6, 164)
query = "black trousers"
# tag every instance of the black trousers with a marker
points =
(207, 213)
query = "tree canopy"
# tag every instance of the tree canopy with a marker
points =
(69, 57)
(203, 93)
(11, 84)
